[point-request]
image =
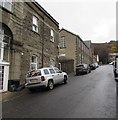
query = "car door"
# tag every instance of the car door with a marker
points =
(59, 74)
(54, 75)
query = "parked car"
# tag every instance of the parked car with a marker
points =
(46, 77)
(82, 68)
(112, 63)
(92, 66)
(96, 65)
(115, 68)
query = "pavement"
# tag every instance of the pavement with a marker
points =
(6, 96)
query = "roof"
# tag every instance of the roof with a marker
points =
(68, 32)
(74, 35)
(45, 12)
(88, 43)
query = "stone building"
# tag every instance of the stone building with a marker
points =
(92, 58)
(29, 38)
(72, 47)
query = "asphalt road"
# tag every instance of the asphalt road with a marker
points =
(87, 96)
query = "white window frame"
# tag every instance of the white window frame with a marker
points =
(7, 4)
(51, 35)
(1, 51)
(35, 23)
(1, 45)
(34, 63)
(62, 42)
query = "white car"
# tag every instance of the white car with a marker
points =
(47, 77)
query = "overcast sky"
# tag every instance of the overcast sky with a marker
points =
(93, 20)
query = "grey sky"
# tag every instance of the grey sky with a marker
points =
(93, 20)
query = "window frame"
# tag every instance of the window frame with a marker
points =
(57, 70)
(1, 45)
(51, 71)
(62, 42)
(52, 37)
(35, 24)
(33, 63)
(45, 72)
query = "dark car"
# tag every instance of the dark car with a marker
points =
(115, 68)
(92, 66)
(96, 65)
(82, 69)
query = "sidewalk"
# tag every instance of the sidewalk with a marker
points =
(6, 96)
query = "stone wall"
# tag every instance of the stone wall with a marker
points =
(26, 42)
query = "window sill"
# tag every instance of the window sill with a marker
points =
(35, 32)
(62, 47)
(51, 41)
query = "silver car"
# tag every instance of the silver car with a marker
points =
(47, 77)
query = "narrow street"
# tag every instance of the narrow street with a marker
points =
(87, 96)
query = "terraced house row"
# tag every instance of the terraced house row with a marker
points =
(30, 39)
(73, 50)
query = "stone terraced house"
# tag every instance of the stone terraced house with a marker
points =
(28, 40)
(73, 50)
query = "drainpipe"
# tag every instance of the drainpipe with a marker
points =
(42, 54)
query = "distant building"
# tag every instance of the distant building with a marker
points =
(72, 47)
(29, 38)
(92, 58)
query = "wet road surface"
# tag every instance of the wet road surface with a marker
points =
(91, 95)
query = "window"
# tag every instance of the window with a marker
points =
(1, 50)
(51, 71)
(51, 35)
(34, 73)
(5, 39)
(7, 4)
(79, 44)
(34, 62)
(35, 24)
(57, 70)
(46, 71)
(62, 42)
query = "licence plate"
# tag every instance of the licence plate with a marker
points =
(33, 81)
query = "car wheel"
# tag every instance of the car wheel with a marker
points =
(65, 80)
(50, 85)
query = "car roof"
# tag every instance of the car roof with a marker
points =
(46, 68)
(81, 64)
